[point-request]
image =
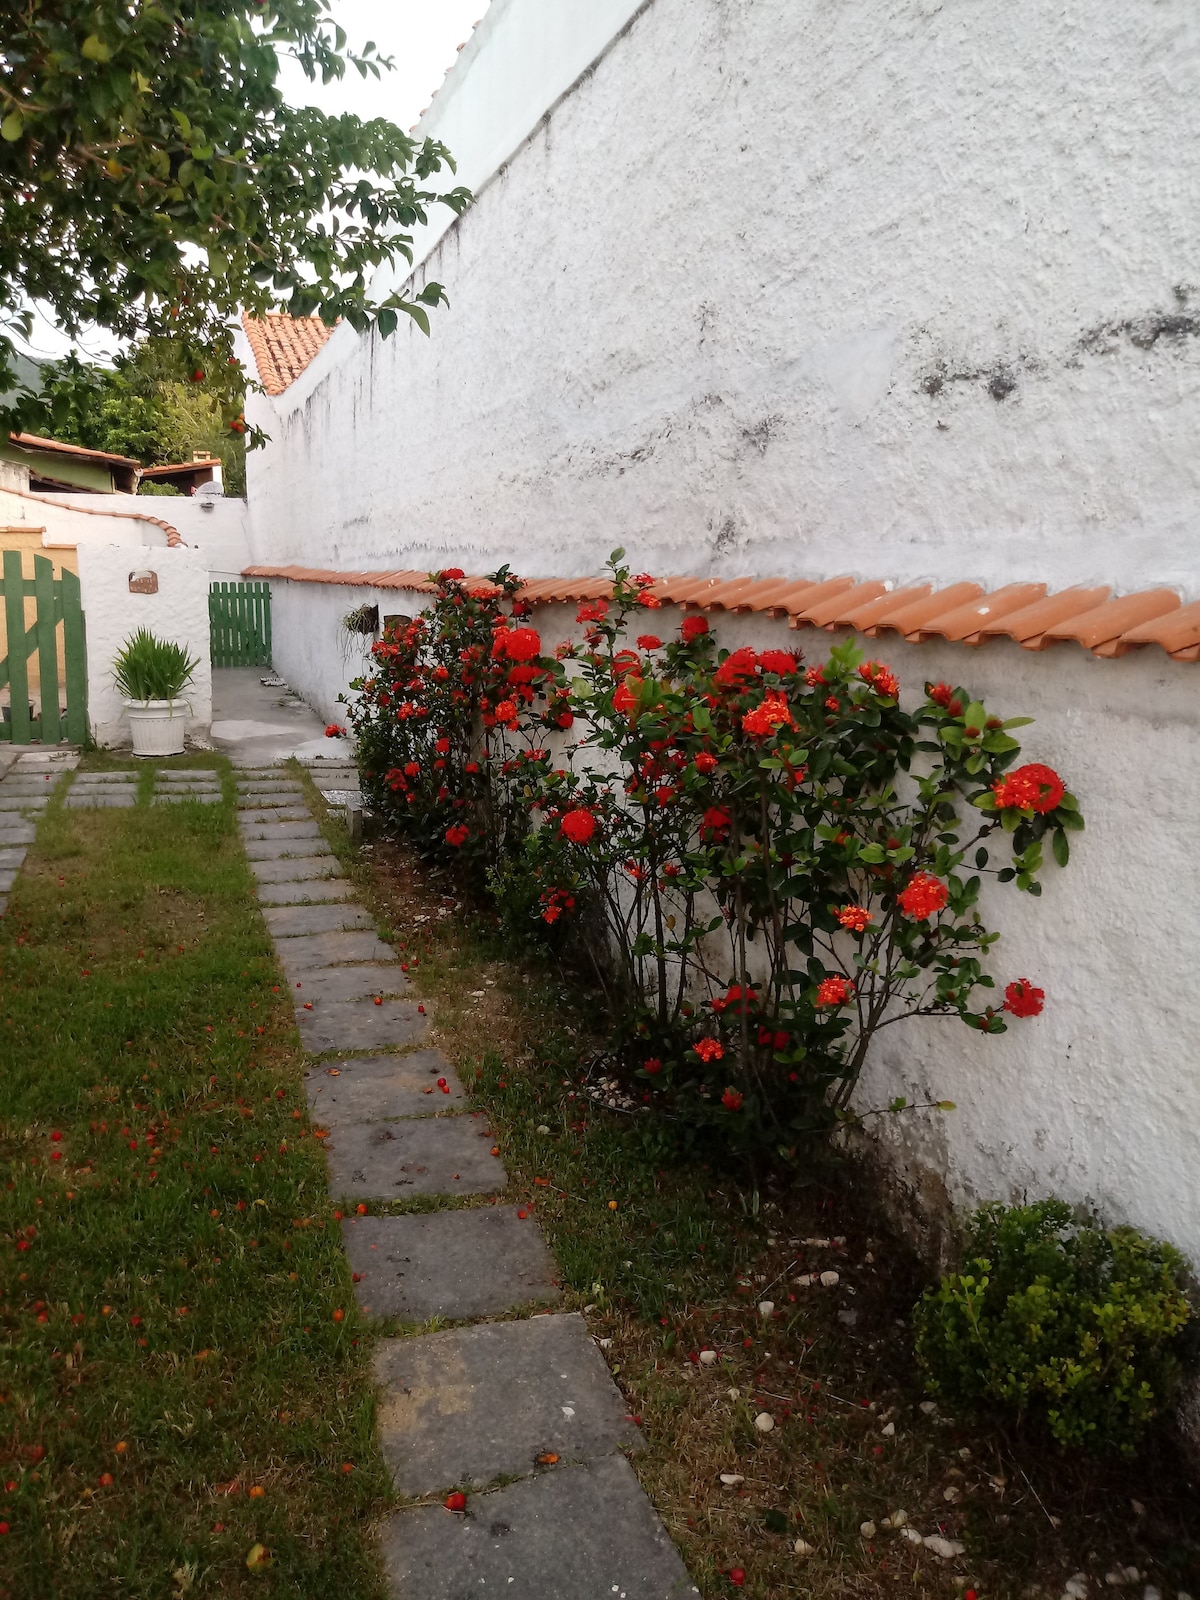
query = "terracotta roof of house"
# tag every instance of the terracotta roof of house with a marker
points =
(33, 441)
(283, 346)
(1105, 624)
(198, 463)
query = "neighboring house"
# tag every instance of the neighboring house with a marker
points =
(186, 476)
(69, 468)
(877, 320)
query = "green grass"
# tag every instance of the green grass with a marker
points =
(170, 1267)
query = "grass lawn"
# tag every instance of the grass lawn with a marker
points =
(178, 1382)
(669, 1259)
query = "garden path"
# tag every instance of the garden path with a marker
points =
(28, 778)
(513, 1392)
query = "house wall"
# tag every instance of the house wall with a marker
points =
(78, 470)
(179, 612)
(220, 534)
(905, 290)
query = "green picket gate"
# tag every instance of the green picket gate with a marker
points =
(55, 601)
(239, 624)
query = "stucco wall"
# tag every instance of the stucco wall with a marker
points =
(179, 612)
(904, 288)
(220, 533)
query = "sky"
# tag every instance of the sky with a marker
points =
(421, 35)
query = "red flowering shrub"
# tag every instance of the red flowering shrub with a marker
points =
(764, 867)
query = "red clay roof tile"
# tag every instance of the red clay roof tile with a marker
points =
(866, 615)
(1176, 631)
(283, 346)
(1104, 625)
(1028, 624)
(824, 611)
(964, 622)
(910, 618)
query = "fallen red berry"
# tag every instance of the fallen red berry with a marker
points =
(455, 1502)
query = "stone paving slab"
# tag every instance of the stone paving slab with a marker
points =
(475, 1263)
(201, 797)
(88, 780)
(305, 891)
(186, 775)
(22, 802)
(295, 869)
(285, 811)
(279, 849)
(356, 1024)
(382, 1088)
(421, 1155)
(11, 857)
(99, 799)
(8, 876)
(15, 784)
(586, 1532)
(16, 832)
(326, 985)
(289, 922)
(281, 830)
(464, 1406)
(331, 949)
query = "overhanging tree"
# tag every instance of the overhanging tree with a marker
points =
(153, 180)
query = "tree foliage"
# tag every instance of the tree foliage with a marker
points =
(153, 180)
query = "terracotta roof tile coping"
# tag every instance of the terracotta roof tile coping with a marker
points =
(175, 540)
(283, 346)
(960, 612)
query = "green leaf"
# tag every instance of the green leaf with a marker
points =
(12, 127)
(94, 48)
(946, 1105)
(1061, 847)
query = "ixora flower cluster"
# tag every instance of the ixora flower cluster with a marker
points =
(764, 865)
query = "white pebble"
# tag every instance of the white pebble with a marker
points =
(766, 1308)
(732, 1479)
(889, 1432)
(867, 1530)
(912, 1536)
(898, 1519)
(605, 1344)
(928, 1407)
(764, 1422)
(708, 1358)
(946, 1548)
(1076, 1587)
(541, 1128)
(1151, 1593)
(830, 1280)
(803, 1548)
(803, 1281)
(733, 1393)
(952, 1495)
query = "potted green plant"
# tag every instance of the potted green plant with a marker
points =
(151, 675)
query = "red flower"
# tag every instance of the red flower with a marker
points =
(626, 661)
(833, 992)
(334, 732)
(940, 693)
(593, 611)
(737, 1576)
(768, 717)
(815, 677)
(506, 713)
(709, 1049)
(565, 719)
(1030, 788)
(653, 1066)
(780, 661)
(649, 641)
(457, 835)
(732, 1098)
(1021, 999)
(451, 575)
(518, 644)
(578, 826)
(716, 824)
(650, 601)
(882, 679)
(693, 628)
(706, 763)
(924, 896)
(645, 581)
(442, 747)
(625, 699)
(738, 668)
(857, 919)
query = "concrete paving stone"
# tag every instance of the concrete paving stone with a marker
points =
(356, 1024)
(8, 876)
(248, 815)
(294, 869)
(100, 799)
(38, 760)
(279, 849)
(23, 802)
(33, 785)
(200, 797)
(342, 778)
(186, 775)
(586, 1532)
(16, 832)
(88, 779)
(421, 1155)
(325, 985)
(281, 830)
(289, 922)
(382, 1088)
(464, 1406)
(457, 1264)
(306, 891)
(331, 950)
(11, 857)
(276, 785)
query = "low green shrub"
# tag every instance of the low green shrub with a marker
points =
(1068, 1324)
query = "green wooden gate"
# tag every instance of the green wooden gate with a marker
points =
(239, 618)
(55, 601)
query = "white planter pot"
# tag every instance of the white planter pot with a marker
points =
(157, 726)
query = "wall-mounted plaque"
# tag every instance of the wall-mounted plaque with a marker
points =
(143, 583)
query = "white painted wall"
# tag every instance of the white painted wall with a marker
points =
(221, 533)
(179, 611)
(68, 525)
(906, 290)
(700, 311)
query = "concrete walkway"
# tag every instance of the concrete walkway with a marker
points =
(258, 724)
(528, 1401)
(28, 778)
